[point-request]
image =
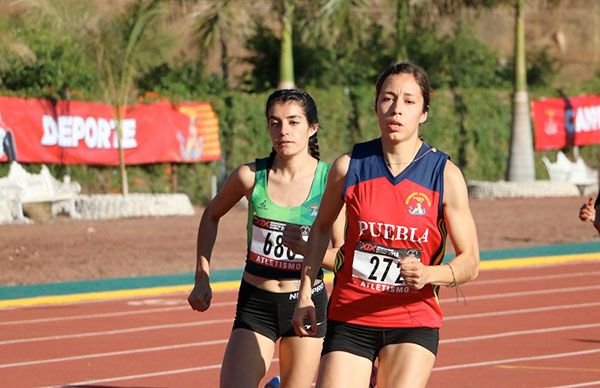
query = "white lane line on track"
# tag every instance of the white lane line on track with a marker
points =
(212, 342)
(586, 384)
(521, 311)
(518, 359)
(219, 321)
(519, 332)
(526, 293)
(182, 308)
(111, 300)
(436, 369)
(153, 374)
(92, 316)
(107, 315)
(224, 304)
(534, 278)
(141, 376)
(115, 353)
(112, 332)
(511, 279)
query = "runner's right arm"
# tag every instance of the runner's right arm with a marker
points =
(238, 184)
(320, 234)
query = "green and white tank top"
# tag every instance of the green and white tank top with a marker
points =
(267, 256)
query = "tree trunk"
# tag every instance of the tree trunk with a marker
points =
(401, 53)
(521, 166)
(173, 177)
(123, 172)
(224, 61)
(122, 168)
(286, 55)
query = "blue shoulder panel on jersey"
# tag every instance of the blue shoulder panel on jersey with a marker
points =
(367, 163)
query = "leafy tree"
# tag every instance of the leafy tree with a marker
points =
(264, 48)
(12, 48)
(215, 23)
(187, 81)
(124, 46)
(455, 60)
(40, 53)
(216, 19)
(402, 13)
(57, 64)
(542, 68)
(317, 64)
(330, 48)
(334, 22)
(121, 42)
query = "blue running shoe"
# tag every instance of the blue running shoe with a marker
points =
(273, 383)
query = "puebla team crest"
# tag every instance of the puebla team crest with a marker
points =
(418, 203)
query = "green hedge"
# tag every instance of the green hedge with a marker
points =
(471, 125)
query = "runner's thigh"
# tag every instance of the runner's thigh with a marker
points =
(247, 359)
(344, 370)
(299, 360)
(404, 365)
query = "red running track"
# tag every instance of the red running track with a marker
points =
(526, 327)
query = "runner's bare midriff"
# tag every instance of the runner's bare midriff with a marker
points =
(275, 285)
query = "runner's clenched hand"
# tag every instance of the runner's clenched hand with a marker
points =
(304, 320)
(413, 272)
(201, 294)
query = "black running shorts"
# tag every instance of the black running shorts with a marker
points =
(270, 313)
(367, 341)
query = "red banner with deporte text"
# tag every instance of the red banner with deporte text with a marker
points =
(76, 132)
(566, 121)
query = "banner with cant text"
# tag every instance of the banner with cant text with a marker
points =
(76, 132)
(566, 121)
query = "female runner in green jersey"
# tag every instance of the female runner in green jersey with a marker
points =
(284, 192)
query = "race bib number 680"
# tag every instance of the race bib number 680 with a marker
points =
(267, 245)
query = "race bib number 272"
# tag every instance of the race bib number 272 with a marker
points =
(378, 264)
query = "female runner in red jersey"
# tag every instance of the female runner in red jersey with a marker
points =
(402, 198)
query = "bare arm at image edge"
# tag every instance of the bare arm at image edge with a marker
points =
(596, 220)
(589, 212)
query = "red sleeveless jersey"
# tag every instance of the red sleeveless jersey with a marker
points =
(389, 218)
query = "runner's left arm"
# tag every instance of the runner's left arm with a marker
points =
(463, 234)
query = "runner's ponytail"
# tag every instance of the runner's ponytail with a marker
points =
(313, 146)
